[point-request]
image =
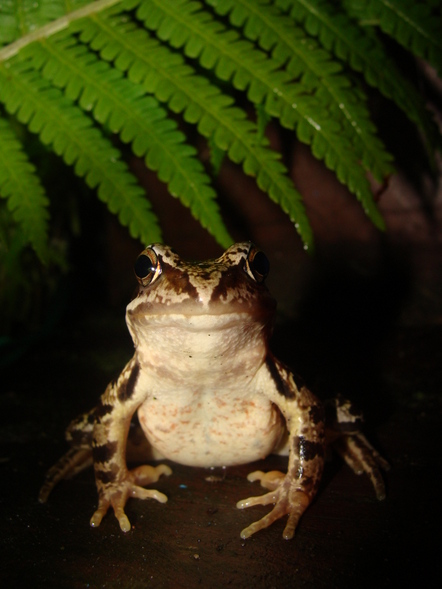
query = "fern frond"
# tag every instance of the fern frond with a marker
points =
(184, 24)
(264, 24)
(410, 23)
(77, 72)
(123, 107)
(165, 74)
(21, 186)
(364, 53)
(71, 135)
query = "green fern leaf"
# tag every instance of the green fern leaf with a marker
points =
(238, 60)
(265, 25)
(122, 106)
(20, 185)
(71, 135)
(216, 156)
(165, 74)
(364, 53)
(411, 24)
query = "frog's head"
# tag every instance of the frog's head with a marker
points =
(201, 294)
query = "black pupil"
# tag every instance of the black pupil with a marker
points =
(143, 266)
(261, 264)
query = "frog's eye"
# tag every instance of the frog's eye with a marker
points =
(257, 265)
(147, 267)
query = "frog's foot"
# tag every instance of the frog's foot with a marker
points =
(287, 500)
(361, 457)
(116, 494)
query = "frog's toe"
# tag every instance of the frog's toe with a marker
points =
(292, 504)
(103, 506)
(269, 480)
(259, 500)
(118, 508)
(141, 493)
(146, 474)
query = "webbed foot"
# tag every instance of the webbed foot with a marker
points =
(286, 497)
(132, 484)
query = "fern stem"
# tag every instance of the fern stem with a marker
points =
(54, 27)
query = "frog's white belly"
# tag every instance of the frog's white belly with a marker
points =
(206, 428)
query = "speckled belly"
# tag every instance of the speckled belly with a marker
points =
(211, 431)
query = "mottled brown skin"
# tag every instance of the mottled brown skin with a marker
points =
(208, 392)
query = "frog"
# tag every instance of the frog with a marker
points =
(206, 391)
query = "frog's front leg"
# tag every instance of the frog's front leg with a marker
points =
(293, 492)
(115, 483)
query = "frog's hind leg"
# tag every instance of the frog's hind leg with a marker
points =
(76, 459)
(343, 432)
(361, 457)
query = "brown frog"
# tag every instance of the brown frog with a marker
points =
(209, 392)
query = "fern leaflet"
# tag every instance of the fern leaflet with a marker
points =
(412, 24)
(364, 52)
(25, 195)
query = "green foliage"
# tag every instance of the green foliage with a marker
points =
(20, 184)
(87, 77)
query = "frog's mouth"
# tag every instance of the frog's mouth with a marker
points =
(256, 303)
(218, 312)
(201, 333)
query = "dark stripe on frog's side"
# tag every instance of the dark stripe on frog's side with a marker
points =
(105, 452)
(127, 387)
(316, 414)
(281, 385)
(101, 411)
